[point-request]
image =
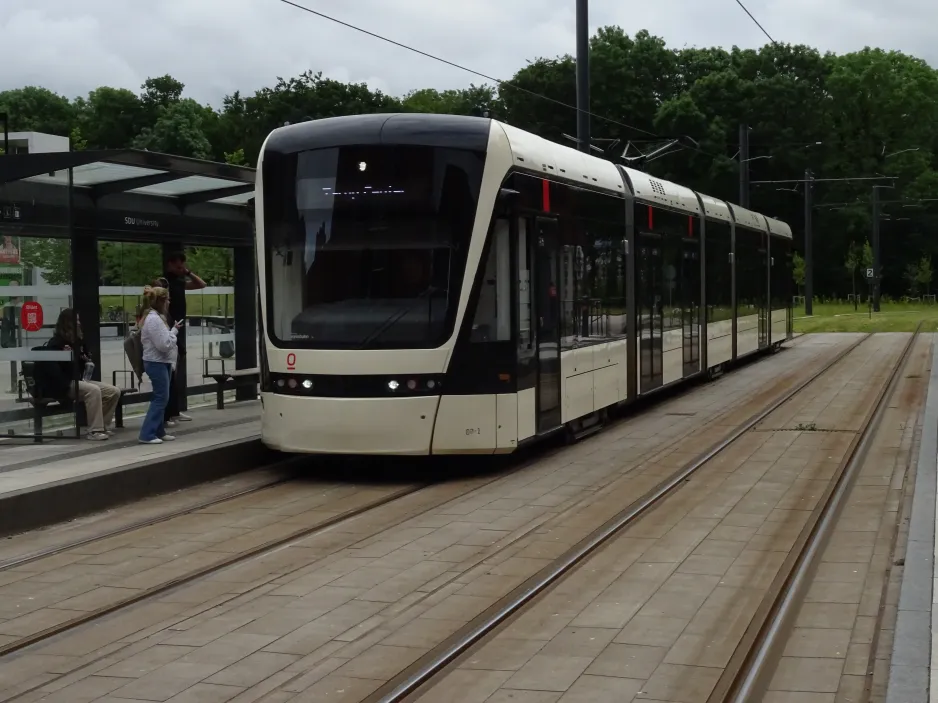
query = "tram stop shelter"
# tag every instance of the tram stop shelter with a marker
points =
(60, 213)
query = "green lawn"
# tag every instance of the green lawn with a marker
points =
(893, 317)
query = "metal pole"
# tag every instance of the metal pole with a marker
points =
(876, 259)
(744, 165)
(808, 247)
(582, 76)
(6, 132)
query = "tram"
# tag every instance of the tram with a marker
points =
(437, 284)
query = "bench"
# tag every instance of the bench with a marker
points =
(119, 412)
(222, 377)
(51, 407)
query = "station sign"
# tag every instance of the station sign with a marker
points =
(31, 317)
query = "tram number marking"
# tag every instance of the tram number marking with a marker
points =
(473, 431)
(291, 362)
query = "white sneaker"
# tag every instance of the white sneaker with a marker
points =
(97, 436)
(150, 441)
(183, 418)
(170, 423)
(168, 438)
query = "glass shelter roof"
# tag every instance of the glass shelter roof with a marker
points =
(184, 180)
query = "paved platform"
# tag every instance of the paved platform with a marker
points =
(215, 443)
(653, 616)
(335, 615)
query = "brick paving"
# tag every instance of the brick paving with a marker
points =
(347, 609)
(657, 614)
(830, 653)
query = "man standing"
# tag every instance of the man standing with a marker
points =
(179, 279)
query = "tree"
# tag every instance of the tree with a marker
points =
(178, 130)
(797, 270)
(923, 275)
(53, 256)
(857, 257)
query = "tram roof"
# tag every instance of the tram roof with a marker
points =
(532, 152)
(715, 209)
(778, 228)
(748, 218)
(655, 190)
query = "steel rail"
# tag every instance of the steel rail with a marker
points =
(425, 669)
(207, 570)
(742, 683)
(140, 524)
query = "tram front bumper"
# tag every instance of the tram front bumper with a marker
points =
(378, 426)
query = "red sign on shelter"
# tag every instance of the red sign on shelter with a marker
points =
(31, 317)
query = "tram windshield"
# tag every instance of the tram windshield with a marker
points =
(366, 245)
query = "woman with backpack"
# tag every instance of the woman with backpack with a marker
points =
(159, 356)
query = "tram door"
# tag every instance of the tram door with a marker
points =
(547, 310)
(650, 311)
(690, 304)
(763, 288)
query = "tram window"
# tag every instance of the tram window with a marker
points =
(525, 337)
(492, 321)
(719, 271)
(361, 258)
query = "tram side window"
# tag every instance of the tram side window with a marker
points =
(592, 265)
(719, 272)
(492, 322)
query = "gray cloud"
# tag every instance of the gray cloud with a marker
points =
(218, 46)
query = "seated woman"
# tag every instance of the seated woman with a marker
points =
(59, 378)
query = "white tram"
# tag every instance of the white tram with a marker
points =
(434, 284)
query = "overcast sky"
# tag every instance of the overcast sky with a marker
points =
(218, 46)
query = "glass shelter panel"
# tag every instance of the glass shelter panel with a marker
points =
(37, 383)
(210, 321)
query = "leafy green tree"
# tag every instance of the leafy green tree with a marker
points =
(129, 264)
(178, 130)
(797, 271)
(34, 109)
(110, 118)
(924, 275)
(53, 256)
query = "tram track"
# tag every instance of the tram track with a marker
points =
(747, 675)
(429, 669)
(267, 547)
(221, 564)
(30, 557)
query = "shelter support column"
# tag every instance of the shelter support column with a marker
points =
(86, 301)
(245, 298)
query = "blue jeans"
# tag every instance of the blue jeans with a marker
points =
(153, 427)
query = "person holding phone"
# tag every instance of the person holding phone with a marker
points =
(160, 352)
(177, 279)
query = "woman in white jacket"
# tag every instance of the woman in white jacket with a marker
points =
(159, 357)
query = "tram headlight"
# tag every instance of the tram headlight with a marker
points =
(291, 383)
(431, 384)
(307, 384)
(393, 385)
(411, 385)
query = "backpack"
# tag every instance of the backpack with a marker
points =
(133, 348)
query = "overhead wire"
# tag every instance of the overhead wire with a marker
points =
(746, 10)
(501, 83)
